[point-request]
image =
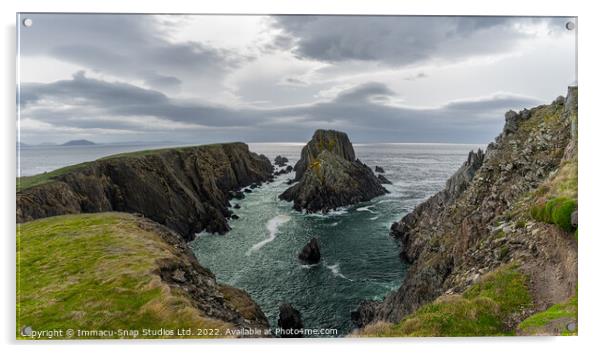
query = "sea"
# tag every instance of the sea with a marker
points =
(360, 261)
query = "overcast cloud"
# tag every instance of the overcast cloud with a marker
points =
(198, 79)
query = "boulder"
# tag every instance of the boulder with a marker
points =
(574, 219)
(329, 175)
(310, 253)
(236, 206)
(289, 320)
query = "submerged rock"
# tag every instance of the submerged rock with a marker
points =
(383, 179)
(237, 206)
(290, 321)
(310, 253)
(330, 176)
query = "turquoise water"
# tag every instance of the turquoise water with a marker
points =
(359, 259)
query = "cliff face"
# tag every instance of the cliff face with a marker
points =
(113, 271)
(480, 221)
(329, 176)
(185, 189)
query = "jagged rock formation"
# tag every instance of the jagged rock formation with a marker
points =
(480, 221)
(379, 169)
(310, 253)
(329, 175)
(186, 189)
(289, 320)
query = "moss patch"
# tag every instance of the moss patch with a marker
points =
(96, 272)
(555, 211)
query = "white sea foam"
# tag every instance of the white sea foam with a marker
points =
(336, 271)
(334, 224)
(309, 266)
(365, 209)
(272, 227)
(374, 218)
(332, 213)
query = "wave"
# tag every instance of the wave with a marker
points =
(374, 218)
(336, 271)
(365, 209)
(332, 213)
(272, 227)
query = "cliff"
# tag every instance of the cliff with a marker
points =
(329, 175)
(185, 189)
(505, 213)
(111, 271)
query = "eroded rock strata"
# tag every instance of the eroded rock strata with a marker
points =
(480, 221)
(186, 189)
(329, 175)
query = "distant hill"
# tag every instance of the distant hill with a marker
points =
(78, 143)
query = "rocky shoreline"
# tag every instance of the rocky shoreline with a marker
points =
(480, 222)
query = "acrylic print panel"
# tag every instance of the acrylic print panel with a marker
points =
(197, 176)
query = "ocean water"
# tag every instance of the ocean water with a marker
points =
(359, 258)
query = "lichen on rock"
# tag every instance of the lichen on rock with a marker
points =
(329, 175)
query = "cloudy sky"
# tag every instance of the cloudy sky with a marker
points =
(200, 79)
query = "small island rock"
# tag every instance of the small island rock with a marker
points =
(290, 320)
(310, 253)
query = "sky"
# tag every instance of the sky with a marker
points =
(209, 78)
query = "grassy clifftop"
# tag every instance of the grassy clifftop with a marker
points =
(111, 271)
(27, 182)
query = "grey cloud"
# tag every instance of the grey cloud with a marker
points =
(90, 101)
(133, 46)
(399, 40)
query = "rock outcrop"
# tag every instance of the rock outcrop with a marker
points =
(280, 161)
(480, 221)
(310, 253)
(329, 175)
(289, 320)
(185, 189)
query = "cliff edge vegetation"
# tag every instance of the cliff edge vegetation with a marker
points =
(508, 213)
(111, 271)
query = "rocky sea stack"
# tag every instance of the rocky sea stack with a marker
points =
(289, 320)
(310, 253)
(329, 175)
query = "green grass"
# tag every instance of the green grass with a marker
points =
(555, 211)
(96, 271)
(480, 311)
(27, 182)
(557, 314)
